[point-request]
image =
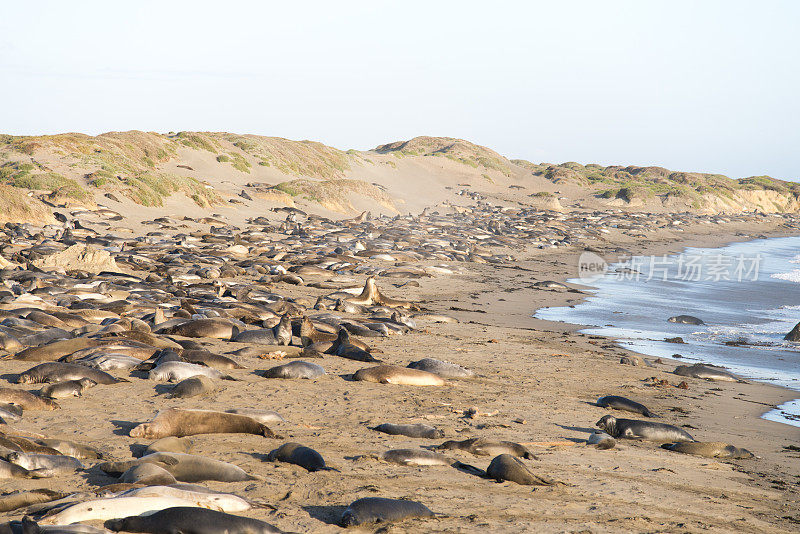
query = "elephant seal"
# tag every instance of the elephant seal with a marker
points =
(686, 319)
(21, 499)
(344, 347)
(393, 374)
(169, 444)
(295, 369)
(707, 372)
(177, 371)
(149, 474)
(417, 430)
(55, 350)
(210, 359)
(262, 416)
(67, 388)
(621, 403)
(9, 470)
(646, 430)
(550, 284)
(70, 448)
(215, 328)
(52, 372)
(179, 423)
(280, 334)
(26, 400)
(415, 457)
(511, 468)
(488, 447)
(713, 449)
(295, 453)
(191, 520)
(184, 467)
(19, 443)
(192, 387)
(441, 368)
(372, 295)
(601, 440)
(114, 507)
(381, 510)
(10, 412)
(54, 463)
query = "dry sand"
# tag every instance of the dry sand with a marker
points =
(535, 383)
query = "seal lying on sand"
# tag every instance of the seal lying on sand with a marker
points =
(180, 423)
(646, 430)
(191, 520)
(26, 400)
(149, 474)
(706, 372)
(393, 374)
(192, 387)
(417, 430)
(380, 510)
(713, 449)
(67, 388)
(441, 368)
(507, 467)
(415, 457)
(487, 447)
(177, 371)
(20, 499)
(9, 470)
(621, 403)
(686, 319)
(184, 467)
(295, 453)
(213, 328)
(295, 369)
(52, 372)
(169, 444)
(601, 440)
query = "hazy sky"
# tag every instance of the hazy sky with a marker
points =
(697, 85)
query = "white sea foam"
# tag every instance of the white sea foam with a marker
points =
(791, 276)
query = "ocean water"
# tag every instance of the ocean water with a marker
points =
(748, 294)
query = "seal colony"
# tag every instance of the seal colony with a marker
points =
(210, 381)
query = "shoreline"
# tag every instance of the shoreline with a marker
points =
(679, 249)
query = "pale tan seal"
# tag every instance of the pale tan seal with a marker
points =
(67, 388)
(180, 423)
(712, 449)
(26, 399)
(372, 295)
(393, 374)
(211, 328)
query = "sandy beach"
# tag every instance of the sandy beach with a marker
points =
(535, 384)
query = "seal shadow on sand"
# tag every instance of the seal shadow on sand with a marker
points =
(97, 477)
(163, 389)
(123, 428)
(327, 514)
(578, 428)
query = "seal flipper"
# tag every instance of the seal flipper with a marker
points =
(471, 469)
